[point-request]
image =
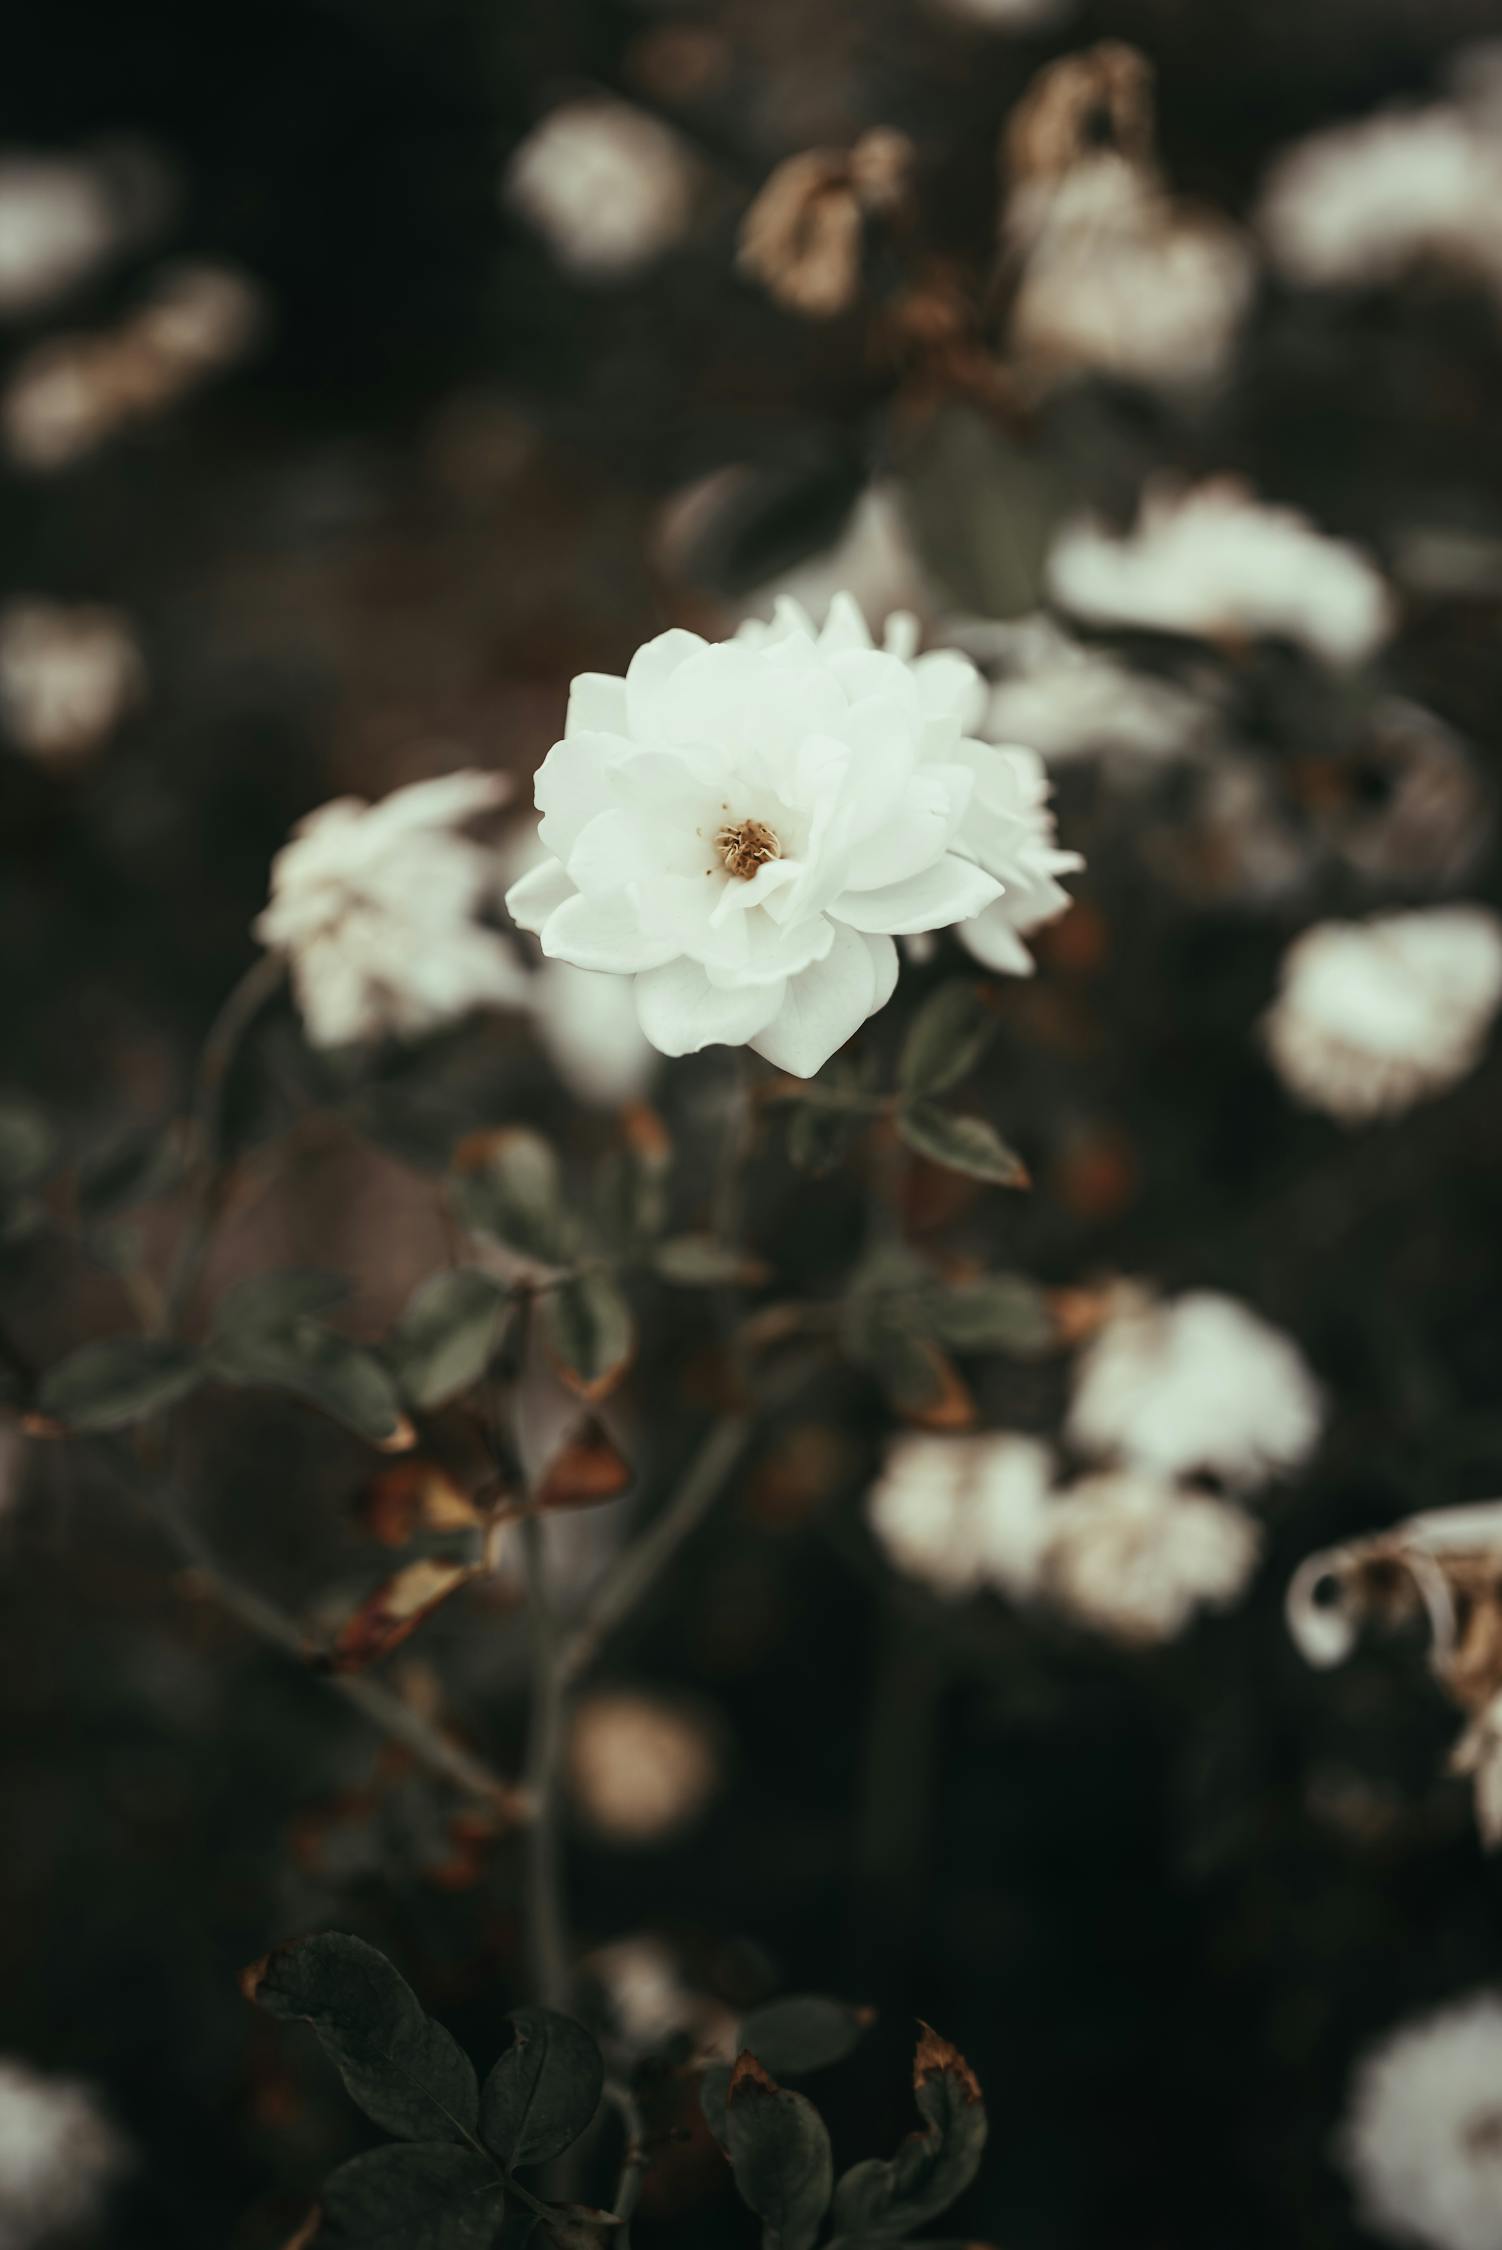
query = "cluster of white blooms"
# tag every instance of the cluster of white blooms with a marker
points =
(607, 187)
(1363, 203)
(1163, 1392)
(1214, 562)
(745, 827)
(72, 393)
(68, 675)
(640, 1768)
(1374, 1016)
(1195, 1385)
(1422, 2137)
(375, 908)
(1115, 275)
(60, 2155)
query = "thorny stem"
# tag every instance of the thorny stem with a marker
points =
(542, 1779)
(259, 983)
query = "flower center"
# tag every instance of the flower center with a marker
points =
(745, 845)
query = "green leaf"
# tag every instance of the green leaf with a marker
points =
(805, 2032)
(424, 2196)
(878, 2200)
(961, 1144)
(109, 1385)
(588, 1326)
(818, 1139)
(509, 1185)
(448, 1335)
(714, 2094)
(631, 1186)
(947, 1038)
(28, 1147)
(406, 2072)
(982, 506)
(1005, 1312)
(780, 2156)
(130, 1170)
(697, 1261)
(545, 2089)
(341, 1378)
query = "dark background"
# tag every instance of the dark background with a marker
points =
(1160, 1901)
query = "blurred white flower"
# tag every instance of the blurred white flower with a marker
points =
(651, 2007)
(1362, 203)
(63, 217)
(1373, 1016)
(873, 561)
(1065, 699)
(1197, 1383)
(746, 827)
(1005, 15)
(607, 187)
(1117, 276)
(1212, 561)
(640, 1768)
(375, 908)
(1422, 2136)
(68, 675)
(59, 2157)
(589, 1025)
(1136, 1558)
(962, 1513)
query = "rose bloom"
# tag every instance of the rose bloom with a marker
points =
(1374, 1016)
(376, 910)
(1422, 2137)
(1136, 1558)
(746, 827)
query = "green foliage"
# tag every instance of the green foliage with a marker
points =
(961, 1144)
(28, 1153)
(1002, 1312)
(426, 2195)
(269, 1333)
(983, 506)
(947, 1038)
(697, 1261)
(589, 1329)
(544, 2091)
(406, 2072)
(780, 2155)
(825, 1116)
(449, 1332)
(805, 2032)
(880, 2200)
(509, 1185)
(120, 1380)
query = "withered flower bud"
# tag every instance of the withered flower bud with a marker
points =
(803, 237)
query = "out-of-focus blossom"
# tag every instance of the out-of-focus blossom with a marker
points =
(1363, 203)
(1117, 276)
(1422, 2136)
(873, 561)
(1005, 15)
(607, 187)
(1136, 1558)
(640, 1769)
(60, 2155)
(1374, 1016)
(1418, 810)
(69, 395)
(1195, 1384)
(962, 1513)
(1445, 1569)
(67, 677)
(1214, 562)
(376, 909)
(745, 828)
(804, 235)
(589, 1025)
(64, 217)
(1065, 699)
(650, 2007)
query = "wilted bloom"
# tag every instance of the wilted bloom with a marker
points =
(1422, 2136)
(1374, 1016)
(606, 186)
(1362, 203)
(59, 2157)
(1136, 1558)
(376, 909)
(746, 827)
(1195, 1384)
(962, 1513)
(804, 235)
(640, 1768)
(68, 675)
(1214, 562)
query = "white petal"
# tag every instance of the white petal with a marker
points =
(648, 674)
(822, 1008)
(538, 893)
(922, 825)
(884, 966)
(951, 890)
(992, 940)
(603, 933)
(596, 705)
(681, 1011)
(571, 785)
